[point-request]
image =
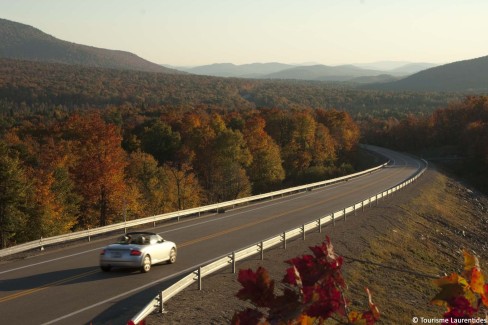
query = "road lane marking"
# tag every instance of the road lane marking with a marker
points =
(46, 286)
(51, 260)
(256, 222)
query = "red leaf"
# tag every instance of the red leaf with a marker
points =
(256, 287)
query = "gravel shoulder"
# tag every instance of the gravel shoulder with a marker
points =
(418, 231)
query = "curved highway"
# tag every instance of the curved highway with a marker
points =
(66, 286)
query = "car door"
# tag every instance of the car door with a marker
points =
(160, 248)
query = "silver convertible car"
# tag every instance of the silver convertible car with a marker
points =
(138, 250)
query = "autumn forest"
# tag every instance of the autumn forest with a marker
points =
(86, 147)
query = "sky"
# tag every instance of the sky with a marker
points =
(331, 32)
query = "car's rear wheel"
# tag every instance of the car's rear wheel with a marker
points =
(105, 268)
(146, 264)
(172, 256)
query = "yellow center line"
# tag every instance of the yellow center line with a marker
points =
(250, 224)
(45, 286)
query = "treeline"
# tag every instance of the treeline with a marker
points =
(33, 87)
(456, 136)
(92, 168)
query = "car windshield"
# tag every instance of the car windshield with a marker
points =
(138, 239)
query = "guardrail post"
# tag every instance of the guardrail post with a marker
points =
(354, 208)
(333, 218)
(234, 262)
(89, 237)
(199, 278)
(320, 226)
(344, 214)
(161, 307)
(40, 244)
(284, 240)
(376, 199)
(362, 206)
(261, 248)
(303, 232)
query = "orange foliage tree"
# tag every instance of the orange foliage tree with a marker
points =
(98, 169)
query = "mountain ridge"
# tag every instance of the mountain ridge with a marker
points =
(316, 72)
(24, 42)
(469, 75)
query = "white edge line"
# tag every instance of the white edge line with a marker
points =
(117, 296)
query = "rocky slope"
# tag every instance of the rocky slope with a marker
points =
(415, 234)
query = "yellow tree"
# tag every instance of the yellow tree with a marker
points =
(265, 171)
(182, 181)
(150, 180)
(323, 153)
(298, 152)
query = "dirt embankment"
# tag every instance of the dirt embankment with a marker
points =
(418, 231)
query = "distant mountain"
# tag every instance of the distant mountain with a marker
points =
(396, 67)
(382, 65)
(464, 76)
(374, 79)
(19, 41)
(323, 73)
(252, 70)
(317, 72)
(411, 68)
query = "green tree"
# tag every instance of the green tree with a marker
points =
(229, 156)
(160, 141)
(14, 189)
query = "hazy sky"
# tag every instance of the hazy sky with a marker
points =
(332, 32)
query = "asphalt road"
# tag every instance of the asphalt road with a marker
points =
(66, 286)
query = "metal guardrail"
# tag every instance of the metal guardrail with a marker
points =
(214, 265)
(39, 244)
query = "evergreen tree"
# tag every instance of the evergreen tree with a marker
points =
(13, 194)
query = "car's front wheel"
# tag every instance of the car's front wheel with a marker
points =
(146, 264)
(172, 256)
